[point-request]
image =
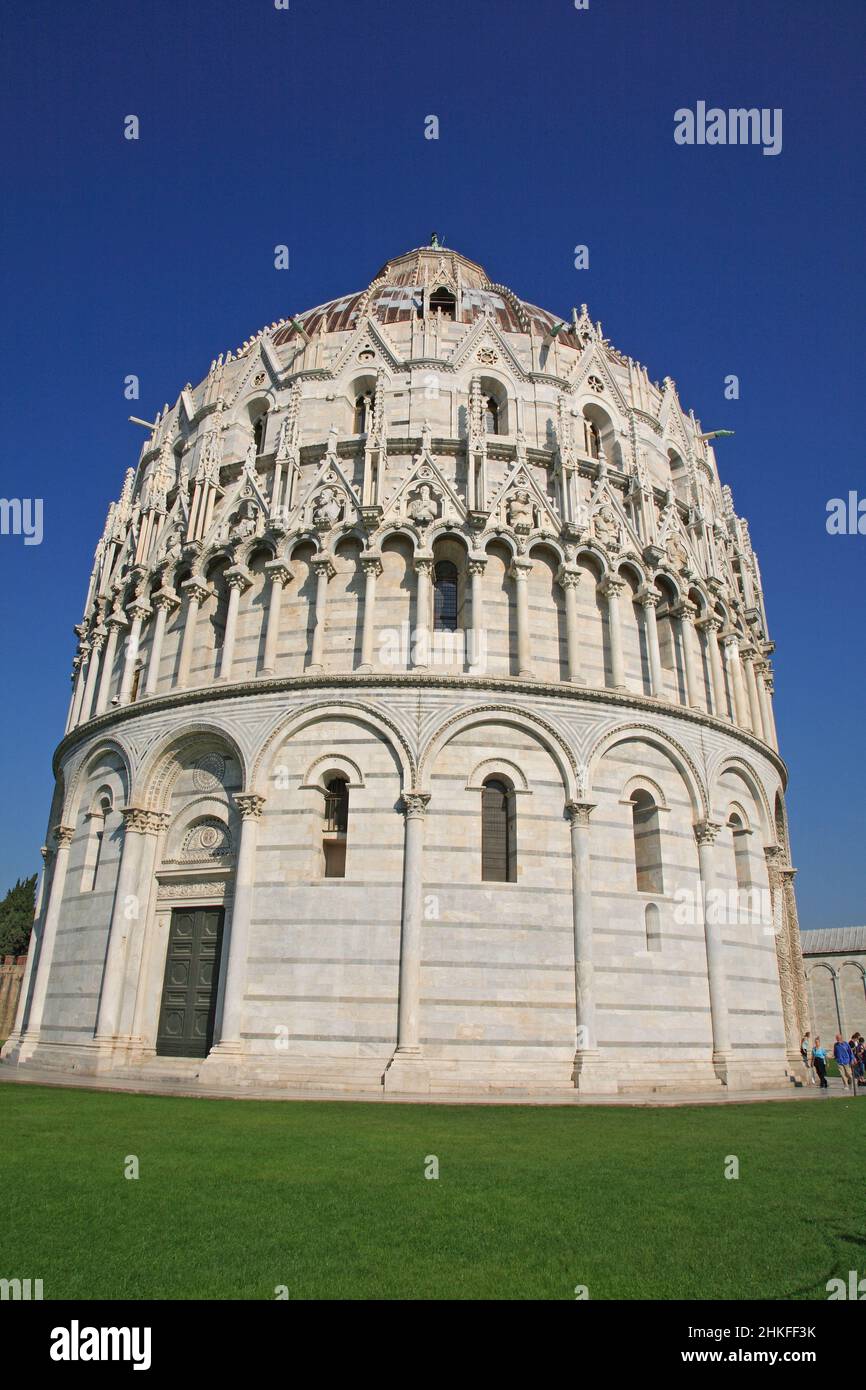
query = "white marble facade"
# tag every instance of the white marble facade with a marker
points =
(421, 539)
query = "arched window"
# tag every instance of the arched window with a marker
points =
(647, 843)
(443, 300)
(363, 413)
(96, 836)
(336, 826)
(220, 611)
(652, 921)
(593, 438)
(679, 476)
(445, 597)
(741, 852)
(491, 416)
(498, 833)
(259, 425)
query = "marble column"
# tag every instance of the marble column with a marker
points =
(706, 833)
(520, 571)
(755, 717)
(130, 902)
(324, 571)
(787, 875)
(685, 611)
(765, 695)
(73, 699)
(649, 598)
(62, 840)
(163, 601)
(785, 956)
(423, 611)
(280, 575)
(238, 579)
(731, 649)
(612, 587)
(99, 637)
(33, 951)
(138, 611)
(80, 684)
(568, 577)
(477, 653)
(371, 562)
(197, 591)
(711, 626)
(250, 807)
(408, 1038)
(579, 813)
(115, 622)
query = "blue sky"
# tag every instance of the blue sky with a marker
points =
(306, 127)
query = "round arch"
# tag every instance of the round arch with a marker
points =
(287, 725)
(667, 745)
(76, 780)
(732, 763)
(158, 770)
(545, 733)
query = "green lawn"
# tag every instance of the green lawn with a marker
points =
(237, 1197)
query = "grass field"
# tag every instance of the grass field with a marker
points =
(237, 1197)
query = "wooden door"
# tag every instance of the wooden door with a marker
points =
(186, 1018)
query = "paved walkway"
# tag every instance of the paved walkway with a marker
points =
(173, 1086)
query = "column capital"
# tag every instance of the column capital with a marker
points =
(415, 804)
(371, 562)
(166, 598)
(117, 619)
(569, 576)
(323, 565)
(142, 821)
(520, 568)
(612, 585)
(477, 563)
(139, 609)
(707, 831)
(685, 610)
(579, 812)
(238, 577)
(63, 835)
(710, 623)
(278, 572)
(196, 588)
(774, 854)
(47, 854)
(250, 805)
(423, 564)
(649, 596)
(730, 639)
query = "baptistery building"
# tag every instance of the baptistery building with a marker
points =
(421, 735)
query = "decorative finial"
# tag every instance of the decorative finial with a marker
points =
(435, 242)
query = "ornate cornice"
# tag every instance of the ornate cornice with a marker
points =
(519, 686)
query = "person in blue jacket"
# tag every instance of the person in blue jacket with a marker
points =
(819, 1061)
(844, 1058)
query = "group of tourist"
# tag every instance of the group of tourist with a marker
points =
(850, 1058)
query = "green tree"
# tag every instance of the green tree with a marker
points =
(16, 917)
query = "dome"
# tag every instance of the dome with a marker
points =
(397, 295)
(421, 733)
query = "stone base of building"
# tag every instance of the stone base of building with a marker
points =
(412, 1075)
